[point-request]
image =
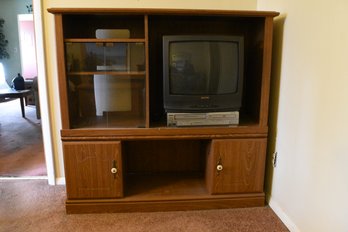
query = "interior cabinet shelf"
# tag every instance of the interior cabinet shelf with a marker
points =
(127, 121)
(130, 74)
(112, 120)
(119, 153)
(170, 186)
(93, 40)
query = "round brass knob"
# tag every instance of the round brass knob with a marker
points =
(113, 170)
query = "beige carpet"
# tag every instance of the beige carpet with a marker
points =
(32, 205)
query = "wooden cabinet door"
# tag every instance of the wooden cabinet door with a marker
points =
(236, 166)
(93, 170)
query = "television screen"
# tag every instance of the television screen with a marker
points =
(203, 67)
(202, 73)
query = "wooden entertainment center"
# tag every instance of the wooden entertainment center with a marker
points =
(119, 155)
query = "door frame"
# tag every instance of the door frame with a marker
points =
(43, 94)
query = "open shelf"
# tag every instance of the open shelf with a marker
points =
(75, 25)
(165, 186)
(250, 28)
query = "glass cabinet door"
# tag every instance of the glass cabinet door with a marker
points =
(106, 84)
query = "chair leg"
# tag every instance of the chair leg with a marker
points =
(22, 106)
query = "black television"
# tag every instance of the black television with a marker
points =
(202, 73)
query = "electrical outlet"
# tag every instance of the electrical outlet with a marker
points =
(274, 159)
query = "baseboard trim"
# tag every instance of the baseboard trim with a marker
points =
(60, 181)
(283, 216)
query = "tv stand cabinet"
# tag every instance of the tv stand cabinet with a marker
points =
(119, 155)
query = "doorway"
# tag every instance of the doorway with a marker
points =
(19, 142)
(27, 46)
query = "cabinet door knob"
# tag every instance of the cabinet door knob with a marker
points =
(114, 168)
(219, 166)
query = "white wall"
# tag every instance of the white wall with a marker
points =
(51, 62)
(310, 183)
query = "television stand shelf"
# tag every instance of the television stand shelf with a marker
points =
(119, 155)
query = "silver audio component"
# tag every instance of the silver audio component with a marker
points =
(203, 119)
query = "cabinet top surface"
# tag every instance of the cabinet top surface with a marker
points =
(153, 11)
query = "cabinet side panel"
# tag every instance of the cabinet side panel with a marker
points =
(61, 71)
(210, 168)
(266, 71)
(147, 101)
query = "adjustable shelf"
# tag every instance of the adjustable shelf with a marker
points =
(118, 74)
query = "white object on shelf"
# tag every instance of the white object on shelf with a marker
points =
(112, 33)
(111, 68)
(112, 93)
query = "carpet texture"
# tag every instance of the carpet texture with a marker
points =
(21, 147)
(33, 205)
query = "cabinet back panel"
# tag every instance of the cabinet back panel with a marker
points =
(252, 29)
(75, 25)
(164, 156)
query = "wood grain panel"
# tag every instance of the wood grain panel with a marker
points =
(266, 71)
(166, 133)
(147, 95)
(230, 201)
(88, 170)
(64, 106)
(164, 156)
(130, 11)
(243, 162)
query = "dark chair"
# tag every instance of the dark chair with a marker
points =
(36, 97)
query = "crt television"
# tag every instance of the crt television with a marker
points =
(202, 73)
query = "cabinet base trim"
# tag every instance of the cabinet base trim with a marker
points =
(172, 205)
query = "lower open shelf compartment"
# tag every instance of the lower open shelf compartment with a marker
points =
(146, 193)
(167, 175)
(165, 186)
